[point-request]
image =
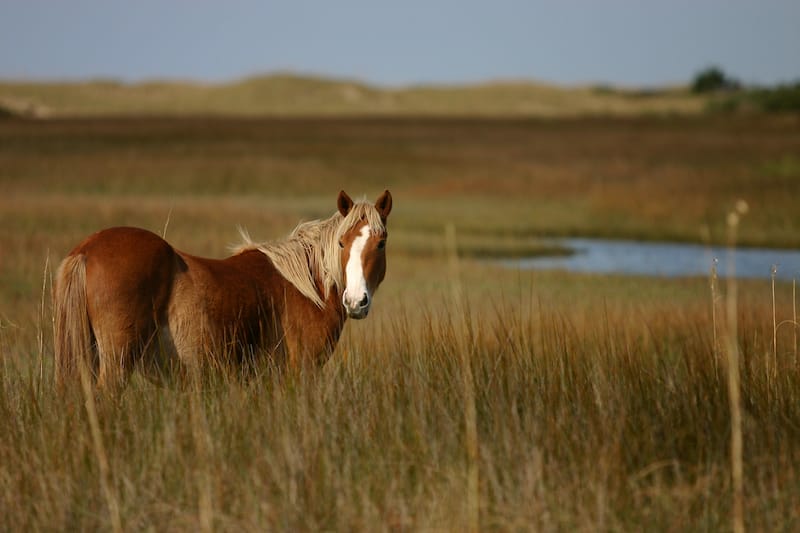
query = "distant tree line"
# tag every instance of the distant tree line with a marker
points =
(713, 79)
(732, 95)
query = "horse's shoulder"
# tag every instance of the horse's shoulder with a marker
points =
(242, 269)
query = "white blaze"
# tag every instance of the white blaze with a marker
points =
(355, 284)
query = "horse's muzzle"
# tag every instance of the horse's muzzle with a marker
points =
(359, 309)
(358, 314)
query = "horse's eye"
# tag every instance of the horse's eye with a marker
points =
(381, 244)
(341, 244)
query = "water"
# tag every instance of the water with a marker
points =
(663, 259)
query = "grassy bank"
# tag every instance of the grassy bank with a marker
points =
(289, 95)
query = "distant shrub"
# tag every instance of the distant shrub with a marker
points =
(5, 111)
(604, 89)
(780, 98)
(726, 104)
(713, 79)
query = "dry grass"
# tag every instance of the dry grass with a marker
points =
(637, 178)
(598, 416)
(600, 402)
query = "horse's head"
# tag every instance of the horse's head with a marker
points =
(363, 251)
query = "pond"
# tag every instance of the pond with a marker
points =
(605, 256)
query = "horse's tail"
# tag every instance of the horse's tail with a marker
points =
(73, 332)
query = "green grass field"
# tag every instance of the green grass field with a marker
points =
(600, 402)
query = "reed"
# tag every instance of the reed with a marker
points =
(795, 324)
(106, 480)
(464, 342)
(773, 274)
(734, 376)
(714, 288)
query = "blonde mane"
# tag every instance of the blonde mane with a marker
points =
(311, 251)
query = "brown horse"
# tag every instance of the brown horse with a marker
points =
(124, 297)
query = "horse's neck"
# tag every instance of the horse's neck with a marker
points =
(333, 309)
(332, 312)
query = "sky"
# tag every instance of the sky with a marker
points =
(634, 43)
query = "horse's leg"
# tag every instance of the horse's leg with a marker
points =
(188, 334)
(122, 333)
(294, 351)
(158, 361)
(117, 353)
(305, 349)
(311, 335)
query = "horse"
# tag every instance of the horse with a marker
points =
(124, 298)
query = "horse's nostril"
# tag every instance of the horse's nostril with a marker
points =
(364, 301)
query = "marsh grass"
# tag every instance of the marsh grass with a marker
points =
(606, 417)
(600, 402)
(640, 178)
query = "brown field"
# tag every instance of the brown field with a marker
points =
(600, 402)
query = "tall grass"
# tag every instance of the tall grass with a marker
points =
(600, 418)
(596, 403)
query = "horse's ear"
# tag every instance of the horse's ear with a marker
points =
(344, 203)
(384, 204)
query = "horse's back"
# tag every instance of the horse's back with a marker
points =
(238, 300)
(129, 264)
(141, 289)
